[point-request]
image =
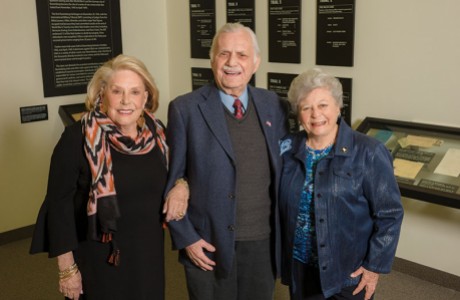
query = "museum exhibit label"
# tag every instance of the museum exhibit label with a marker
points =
(284, 28)
(242, 11)
(335, 32)
(33, 113)
(202, 27)
(76, 37)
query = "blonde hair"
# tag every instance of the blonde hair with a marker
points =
(101, 77)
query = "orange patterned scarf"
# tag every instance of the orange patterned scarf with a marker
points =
(100, 135)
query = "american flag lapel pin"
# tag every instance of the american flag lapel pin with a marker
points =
(269, 124)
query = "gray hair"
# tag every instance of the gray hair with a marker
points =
(234, 27)
(306, 82)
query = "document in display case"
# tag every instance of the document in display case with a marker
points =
(426, 158)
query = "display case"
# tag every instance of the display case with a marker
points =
(426, 158)
(71, 113)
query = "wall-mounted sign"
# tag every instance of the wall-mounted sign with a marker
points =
(347, 93)
(202, 27)
(284, 31)
(335, 32)
(34, 113)
(201, 76)
(242, 11)
(76, 37)
(280, 83)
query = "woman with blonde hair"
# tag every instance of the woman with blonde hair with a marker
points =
(102, 215)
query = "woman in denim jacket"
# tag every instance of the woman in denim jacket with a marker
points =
(340, 204)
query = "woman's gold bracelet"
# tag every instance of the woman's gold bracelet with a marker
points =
(68, 275)
(69, 272)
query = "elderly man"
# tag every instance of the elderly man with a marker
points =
(223, 139)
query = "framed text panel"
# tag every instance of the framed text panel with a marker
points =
(335, 32)
(76, 38)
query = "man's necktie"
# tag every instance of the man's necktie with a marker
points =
(238, 106)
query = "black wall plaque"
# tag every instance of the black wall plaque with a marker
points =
(76, 37)
(34, 113)
(347, 93)
(284, 31)
(201, 76)
(202, 27)
(242, 11)
(280, 83)
(335, 32)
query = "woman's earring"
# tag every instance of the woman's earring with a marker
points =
(141, 120)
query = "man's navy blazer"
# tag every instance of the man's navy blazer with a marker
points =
(201, 151)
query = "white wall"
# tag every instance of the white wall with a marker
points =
(406, 65)
(406, 68)
(25, 149)
(145, 35)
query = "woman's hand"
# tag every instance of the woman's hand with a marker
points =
(368, 282)
(71, 287)
(176, 203)
(70, 282)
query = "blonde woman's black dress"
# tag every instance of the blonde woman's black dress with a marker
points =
(62, 222)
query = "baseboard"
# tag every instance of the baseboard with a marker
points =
(16, 234)
(438, 277)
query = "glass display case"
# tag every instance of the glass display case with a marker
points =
(426, 158)
(71, 113)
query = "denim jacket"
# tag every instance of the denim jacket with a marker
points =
(358, 210)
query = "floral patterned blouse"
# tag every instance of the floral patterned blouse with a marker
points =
(305, 235)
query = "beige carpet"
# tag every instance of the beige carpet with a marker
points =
(27, 277)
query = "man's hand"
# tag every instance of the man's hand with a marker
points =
(197, 256)
(368, 282)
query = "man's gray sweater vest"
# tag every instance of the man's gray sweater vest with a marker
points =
(252, 176)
